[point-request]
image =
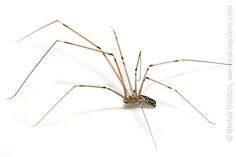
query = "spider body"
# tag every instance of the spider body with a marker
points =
(141, 100)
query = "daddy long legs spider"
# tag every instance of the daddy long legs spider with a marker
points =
(130, 95)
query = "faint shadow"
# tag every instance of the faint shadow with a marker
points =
(64, 118)
(124, 107)
(167, 104)
(106, 80)
(81, 63)
(179, 75)
(38, 46)
(82, 113)
(189, 72)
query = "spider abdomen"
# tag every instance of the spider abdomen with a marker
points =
(141, 100)
(147, 100)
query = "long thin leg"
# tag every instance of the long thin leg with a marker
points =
(63, 24)
(98, 47)
(123, 61)
(138, 63)
(149, 128)
(175, 61)
(183, 98)
(81, 46)
(75, 86)
(140, 68)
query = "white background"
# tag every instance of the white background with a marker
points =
(93, 121)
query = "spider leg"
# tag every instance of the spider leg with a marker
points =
(149, 127)
(119, 76)
(182, 97)
(137, 64)
(175, 61)
(69, 91)
(63, 24)
(123, 61)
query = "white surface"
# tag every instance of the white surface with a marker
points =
(94, 122)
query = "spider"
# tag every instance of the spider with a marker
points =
(130, 95)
